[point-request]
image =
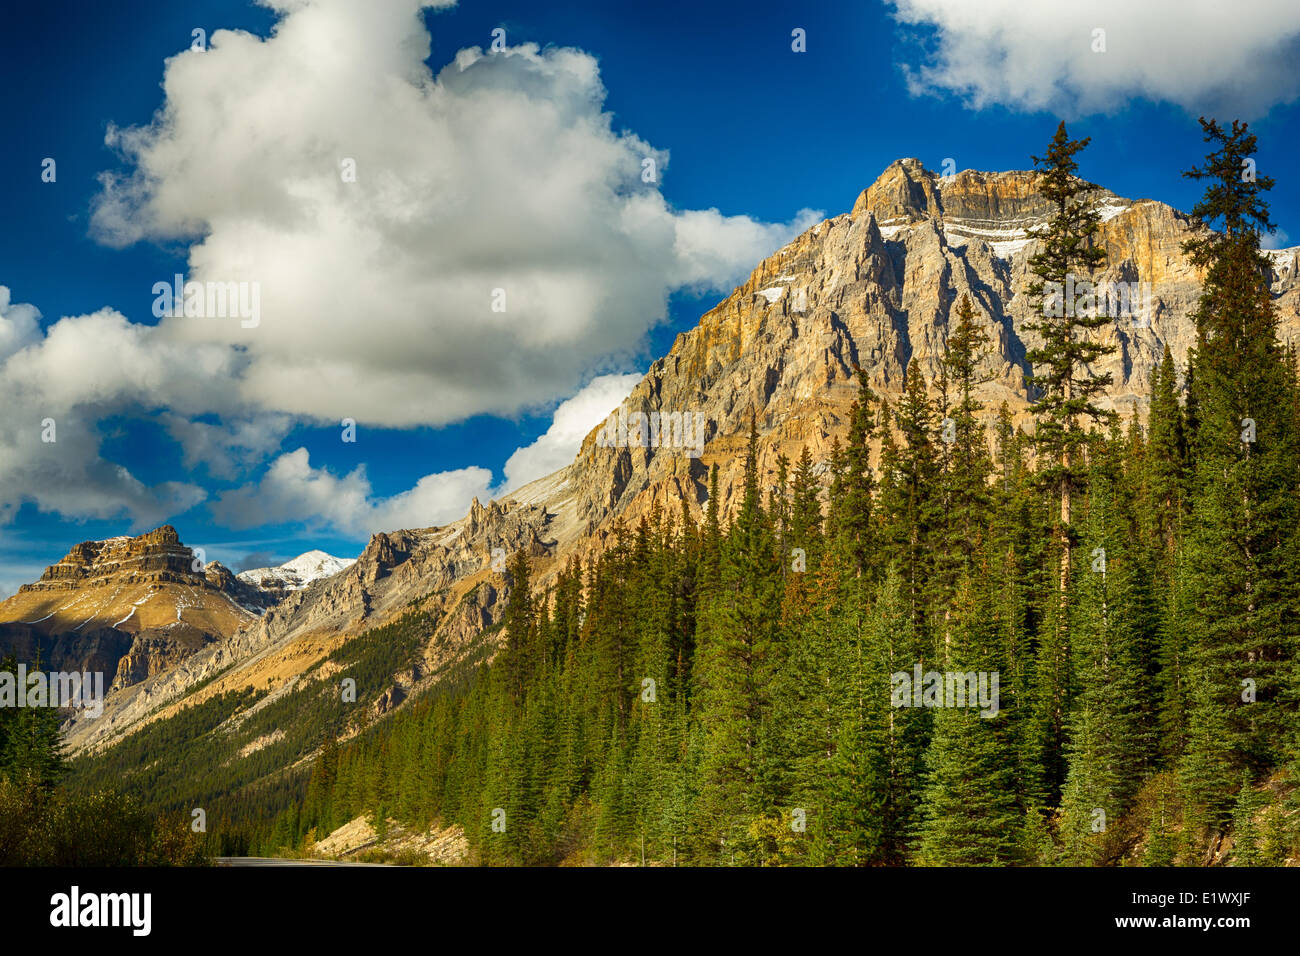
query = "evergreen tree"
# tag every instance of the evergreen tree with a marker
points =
(1109, 740)
(909, 500)
(1242, 553)
(1166, 456)
(738, 654)
(969, 814)
(520, 626)
(31, 743)
(1066, 389)
(969, 465)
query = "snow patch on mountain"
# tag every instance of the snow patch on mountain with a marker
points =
(1109, 210)
(297, 574)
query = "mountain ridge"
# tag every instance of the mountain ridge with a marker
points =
(872, 287)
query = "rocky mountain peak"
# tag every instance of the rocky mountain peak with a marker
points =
(157, 555)
(875, 289)
(127, 606)
(295, 574)
(907, 192)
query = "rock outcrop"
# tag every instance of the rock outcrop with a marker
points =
(130, 608)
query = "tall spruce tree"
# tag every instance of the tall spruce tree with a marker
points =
(1242, 552)
(969, 815)
(1110, 738)
(964, 490)
(1066, 391)
(739, 652)
(520, 625)
(969, 465)
(910, 499)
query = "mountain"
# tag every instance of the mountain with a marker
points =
(872, 287)
(447, 575)
(296, 574)
(129, 607)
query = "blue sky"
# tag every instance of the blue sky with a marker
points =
(749, 137)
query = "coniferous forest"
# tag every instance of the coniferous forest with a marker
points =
(43, 822)
(740, 690)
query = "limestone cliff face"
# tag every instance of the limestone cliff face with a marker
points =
(874, 288)
(127, 607)
(155, 556)
(907, 192)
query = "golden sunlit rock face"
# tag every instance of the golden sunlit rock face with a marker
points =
(129, 607)
(874, 288)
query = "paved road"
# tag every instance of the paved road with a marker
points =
(276, 861)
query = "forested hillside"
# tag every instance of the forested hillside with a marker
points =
(239, 756)
(712, 695)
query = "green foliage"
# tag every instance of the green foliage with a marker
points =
(1242, 543)
(39, 827)
(31, 745)
(44, 822)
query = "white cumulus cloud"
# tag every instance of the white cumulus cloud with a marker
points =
(573, 419)
(1207, 56)
(56, 389)
(501, 172)
(86, 369)
(292, 490)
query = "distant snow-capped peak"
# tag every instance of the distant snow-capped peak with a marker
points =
(297, 573)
